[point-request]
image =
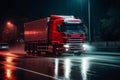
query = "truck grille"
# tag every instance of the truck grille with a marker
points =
(75, 40)
(75, 44)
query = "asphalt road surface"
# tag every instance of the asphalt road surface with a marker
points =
(88, 66)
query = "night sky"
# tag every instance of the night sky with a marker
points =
(34, 9)
(12, 8)
(21, 11)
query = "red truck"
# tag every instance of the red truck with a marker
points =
(54, 35)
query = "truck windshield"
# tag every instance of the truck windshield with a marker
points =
(73, 28)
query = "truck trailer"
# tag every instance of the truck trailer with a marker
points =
(54, 35)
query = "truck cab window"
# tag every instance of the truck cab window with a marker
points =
(73, 28)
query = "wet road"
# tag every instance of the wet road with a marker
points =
(14, 66)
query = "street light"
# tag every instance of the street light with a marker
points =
(89, 27)
(9, 24)
(12, 30)
(88, 13)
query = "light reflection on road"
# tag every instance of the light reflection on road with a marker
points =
(8, 73)
(60, 68)
(67, 68)
(56, 68)
(9, 68)
(9, 59)
(84, 67)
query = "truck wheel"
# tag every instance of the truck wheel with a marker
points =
(33, 52)
(49, 53)
(39, 53)
(28, 52)
(55, 50)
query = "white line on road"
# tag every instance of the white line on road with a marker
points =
(30, 71)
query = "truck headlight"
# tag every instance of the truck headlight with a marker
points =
(66, 46)
(87, 47)
(67, 49)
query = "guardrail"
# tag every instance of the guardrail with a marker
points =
(115, 46)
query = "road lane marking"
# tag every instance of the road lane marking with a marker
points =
(30, 71)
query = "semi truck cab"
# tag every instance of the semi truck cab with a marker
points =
(68, 34)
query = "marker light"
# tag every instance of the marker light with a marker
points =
(66, 46)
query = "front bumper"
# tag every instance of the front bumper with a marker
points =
(73, 48)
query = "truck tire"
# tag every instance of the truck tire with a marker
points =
(28, 52)
(49, 54)
(38, 53)
(55, 50)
